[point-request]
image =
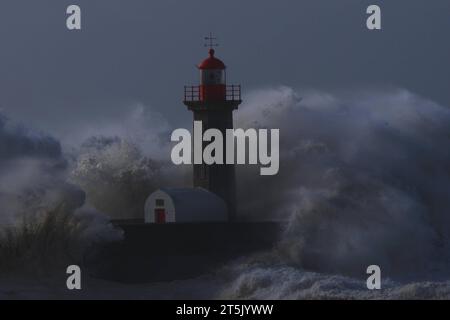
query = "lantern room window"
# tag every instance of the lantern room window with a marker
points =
(212, 76)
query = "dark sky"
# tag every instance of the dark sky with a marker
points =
(141, 51)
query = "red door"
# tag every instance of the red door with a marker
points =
(160, 216)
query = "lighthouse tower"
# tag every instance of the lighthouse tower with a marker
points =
(213, 102)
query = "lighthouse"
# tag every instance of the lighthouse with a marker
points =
(213, 102)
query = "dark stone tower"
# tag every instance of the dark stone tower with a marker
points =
(213, 102)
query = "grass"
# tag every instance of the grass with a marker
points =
(43, 241)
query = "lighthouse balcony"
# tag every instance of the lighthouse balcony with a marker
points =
(222, 93)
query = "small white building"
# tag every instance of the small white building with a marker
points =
(184, 205)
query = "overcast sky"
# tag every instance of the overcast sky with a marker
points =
(140, 51)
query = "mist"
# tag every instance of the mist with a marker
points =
(45, 223)
(364, 177)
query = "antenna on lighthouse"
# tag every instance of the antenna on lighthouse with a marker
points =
(211, 40)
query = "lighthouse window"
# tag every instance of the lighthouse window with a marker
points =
(212, 77)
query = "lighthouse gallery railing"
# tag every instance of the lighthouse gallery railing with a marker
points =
(232, 93)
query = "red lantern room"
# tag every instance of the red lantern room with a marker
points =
(212, 91)
(212, 79)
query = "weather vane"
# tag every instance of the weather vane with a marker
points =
(211, 43)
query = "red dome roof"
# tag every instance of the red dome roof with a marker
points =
(211, 62)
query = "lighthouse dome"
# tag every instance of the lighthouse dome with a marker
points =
(211, 62)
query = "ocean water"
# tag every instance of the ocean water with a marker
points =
(364, 179)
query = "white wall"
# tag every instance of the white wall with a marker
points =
(150, 206)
